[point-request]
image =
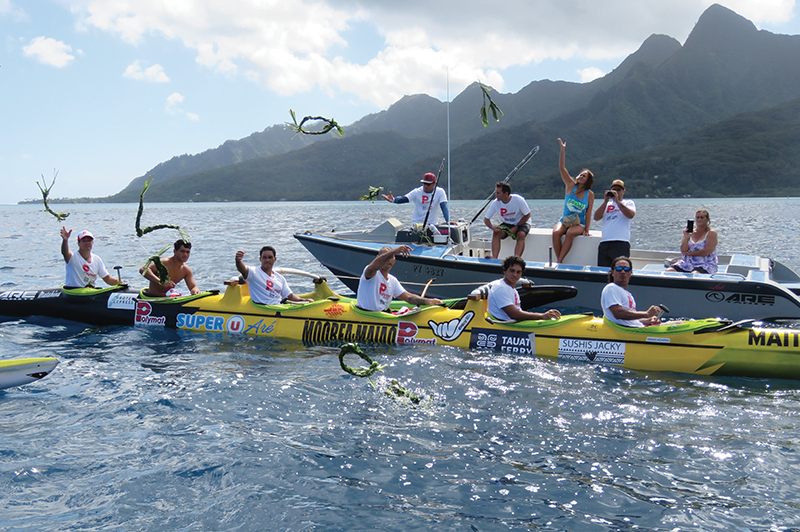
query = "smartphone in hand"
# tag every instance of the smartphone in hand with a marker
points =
(690, 225)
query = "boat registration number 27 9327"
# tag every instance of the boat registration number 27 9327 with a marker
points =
(428, 271)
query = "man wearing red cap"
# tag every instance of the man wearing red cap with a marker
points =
(83, 267)
(422, 197)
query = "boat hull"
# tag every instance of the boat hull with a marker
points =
(17, 372)
(703, 347)
(96, 306)
(687, 295)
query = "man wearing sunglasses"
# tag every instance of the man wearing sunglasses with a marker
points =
(423, 197)
(618, 304)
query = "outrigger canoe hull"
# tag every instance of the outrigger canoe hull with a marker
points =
(702, 347)
(16, 372)
(112, 305)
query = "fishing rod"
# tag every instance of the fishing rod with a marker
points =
(516, 169)
(435, 184)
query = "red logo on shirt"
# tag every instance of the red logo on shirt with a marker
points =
(382, 289)
(503, 211)
(86, 268)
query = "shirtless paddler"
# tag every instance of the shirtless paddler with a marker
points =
(178, 271)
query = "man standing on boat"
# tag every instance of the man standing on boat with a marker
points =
(514, 213)
(616, 213)
(504, 301)
(83, 267)
(178, 271)
(377, 286)
(266, 287)
(422, 197)
(618, 304)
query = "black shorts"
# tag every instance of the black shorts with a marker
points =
(610, 250)
(526, 228)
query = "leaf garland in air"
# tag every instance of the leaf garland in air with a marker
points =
(330, 124)
(45, 192)
(372, 194)
(139, 231)
(492, 106)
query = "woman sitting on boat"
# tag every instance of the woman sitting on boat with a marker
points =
(578, 199)
(618, 304)
(699, 247)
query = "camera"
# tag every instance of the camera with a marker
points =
(609, 194)
(690, 225)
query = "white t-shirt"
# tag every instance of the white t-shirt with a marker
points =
(377, 293)
(510, 213)
(617, 226)
(421, 200)
(613, 294)
(267, 290)
(501, 296)
(81, 273)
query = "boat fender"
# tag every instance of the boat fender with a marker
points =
(358, 372)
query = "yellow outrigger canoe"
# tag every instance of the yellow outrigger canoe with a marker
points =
(703, 347)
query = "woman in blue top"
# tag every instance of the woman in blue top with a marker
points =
(578, 200)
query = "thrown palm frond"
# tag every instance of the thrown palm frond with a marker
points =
(330, 124)
(139, 231)
(372, 194)
(492, 106)
(45, 192)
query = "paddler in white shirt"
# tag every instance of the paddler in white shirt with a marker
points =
(266, 286)
(377, 286)
(504, 301)
(83, 267)
(421, 197)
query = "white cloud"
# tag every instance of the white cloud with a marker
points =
(49, 51)
(173, 100)
(291, 46)
(590, 74)
(173, 107)
(153, 73)
(770, 11)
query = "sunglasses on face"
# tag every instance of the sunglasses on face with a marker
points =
(622, 268)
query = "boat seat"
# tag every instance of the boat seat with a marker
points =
(571, 266)
(658, 267)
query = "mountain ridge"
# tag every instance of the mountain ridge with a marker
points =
(655, 98)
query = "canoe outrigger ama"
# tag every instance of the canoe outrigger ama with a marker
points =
(19, 371)
(746, 286)
(703, 347)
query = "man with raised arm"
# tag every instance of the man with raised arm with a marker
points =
(267, 287)
(83, 267)
(422, 197)
(377, 286)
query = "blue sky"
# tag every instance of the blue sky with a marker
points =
(102, 90)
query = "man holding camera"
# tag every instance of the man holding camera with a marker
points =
(616, 213)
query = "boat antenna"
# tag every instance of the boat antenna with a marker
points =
(448, 143)
(516, 169)
(433, 194)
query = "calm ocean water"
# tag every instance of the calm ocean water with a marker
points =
(160, 430)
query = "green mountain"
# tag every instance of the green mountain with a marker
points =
(681, 113)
